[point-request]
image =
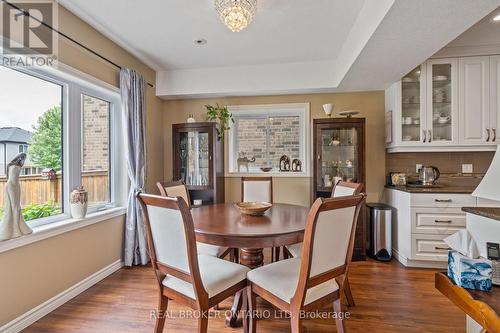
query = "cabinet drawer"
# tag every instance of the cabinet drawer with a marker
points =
(442, 200)
(429, 247)
(438, 221)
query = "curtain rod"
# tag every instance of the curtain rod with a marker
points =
(26, 13)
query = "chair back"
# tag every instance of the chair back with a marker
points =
(171, 239)
(174, 189)
(343, 189)
(257, 189)
(328, 241)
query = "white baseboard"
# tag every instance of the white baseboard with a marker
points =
(418, 263)
(28, 318)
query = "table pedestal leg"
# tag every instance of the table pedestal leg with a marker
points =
(252, 258)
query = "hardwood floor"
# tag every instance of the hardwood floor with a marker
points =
(389, 298)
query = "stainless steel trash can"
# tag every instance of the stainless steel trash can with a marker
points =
(380, 226)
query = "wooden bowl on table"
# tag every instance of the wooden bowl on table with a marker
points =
(253, 208)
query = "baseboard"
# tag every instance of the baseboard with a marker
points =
(50, 305)
(418, 263)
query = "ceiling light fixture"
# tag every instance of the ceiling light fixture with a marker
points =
(236, 14)
(496, 18)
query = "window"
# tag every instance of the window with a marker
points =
(65, 127)
(261, 135)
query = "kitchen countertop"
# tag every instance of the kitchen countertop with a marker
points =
(489, 212)
(434, 189)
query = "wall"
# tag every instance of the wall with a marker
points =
(294, 190)
(34, 273)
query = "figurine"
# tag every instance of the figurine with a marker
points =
(296, 165)
(13, 224)
(244, 161)
(284, 163)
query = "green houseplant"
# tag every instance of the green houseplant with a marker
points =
(222, 115)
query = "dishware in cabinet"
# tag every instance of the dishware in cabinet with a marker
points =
(442, 102)
(413, 108)
(198, 160)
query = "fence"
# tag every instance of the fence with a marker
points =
(37, 190)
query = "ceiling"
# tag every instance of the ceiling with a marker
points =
(292, 46)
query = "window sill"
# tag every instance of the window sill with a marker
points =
(60, 227)
(268, 174)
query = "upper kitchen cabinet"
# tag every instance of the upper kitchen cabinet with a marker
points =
(474, 101)
(441, 98)
(495, 98)
(445, 105)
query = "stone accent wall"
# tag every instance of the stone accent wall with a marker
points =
(95, 134)
(254, 141)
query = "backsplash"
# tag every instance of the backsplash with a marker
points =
(447, 163)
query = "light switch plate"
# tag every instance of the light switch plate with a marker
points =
(467, 168)
(418, 167)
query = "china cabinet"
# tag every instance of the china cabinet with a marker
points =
(339, 154)
(198, 160)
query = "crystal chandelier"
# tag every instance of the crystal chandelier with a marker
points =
(236, 14)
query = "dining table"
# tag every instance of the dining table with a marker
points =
(224, 225)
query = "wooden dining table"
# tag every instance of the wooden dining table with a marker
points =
(224, 225)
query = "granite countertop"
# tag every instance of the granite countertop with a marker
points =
(489, 212)
(434, 189)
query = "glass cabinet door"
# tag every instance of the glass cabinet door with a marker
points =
(412, 112)
(195, 158)
(441, 101)
(339, 156)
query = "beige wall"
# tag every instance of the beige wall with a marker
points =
(294, 190)
(34, 273)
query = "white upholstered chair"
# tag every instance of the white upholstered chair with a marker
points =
(341, 189)
(178, 189)
(194, 279)
(316, 278)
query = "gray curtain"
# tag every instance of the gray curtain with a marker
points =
(132, 89)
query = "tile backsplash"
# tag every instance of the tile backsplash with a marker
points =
(447, 163)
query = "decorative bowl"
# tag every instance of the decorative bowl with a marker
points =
(266, 169)
(253, 208)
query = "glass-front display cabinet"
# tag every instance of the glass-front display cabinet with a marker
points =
(339, 154)
(198, 161)
(413, 117)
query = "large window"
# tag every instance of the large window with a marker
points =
(64, 125)
(262, 135)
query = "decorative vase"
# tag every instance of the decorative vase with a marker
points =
(191, 119)
(79, 202)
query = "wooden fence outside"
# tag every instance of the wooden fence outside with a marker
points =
(37, 190)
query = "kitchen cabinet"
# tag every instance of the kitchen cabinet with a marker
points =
(474, 100)
(445, 105)
(198, 160)
(339, 150)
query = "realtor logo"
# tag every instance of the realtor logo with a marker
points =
(25, 31)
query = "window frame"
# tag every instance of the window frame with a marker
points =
(302, 110)
(73, 84)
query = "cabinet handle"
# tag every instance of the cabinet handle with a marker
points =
(443, 200)
(443, 221)
(319, 157)
(210, 157)
(487, 135)
(424, 136)
(494, 135)
(441, 248)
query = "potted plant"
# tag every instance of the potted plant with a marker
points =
(222, 115)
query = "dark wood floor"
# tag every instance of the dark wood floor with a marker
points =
(389, 298)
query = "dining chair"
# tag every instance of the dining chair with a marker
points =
(316, 278)
(183, 274)
(340, 189)
(259, 189)
(179, 189)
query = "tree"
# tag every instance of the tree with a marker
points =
(45, 144)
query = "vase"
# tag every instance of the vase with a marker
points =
(79, 203)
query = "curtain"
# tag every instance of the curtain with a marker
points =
(132, 90)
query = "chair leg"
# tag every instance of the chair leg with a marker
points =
(348, 293)
(278, 252)
(203, 322)
(296, 322)
(244, 299)
(286, 253)
(162, 314)
(339, 322)
(252, 307)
